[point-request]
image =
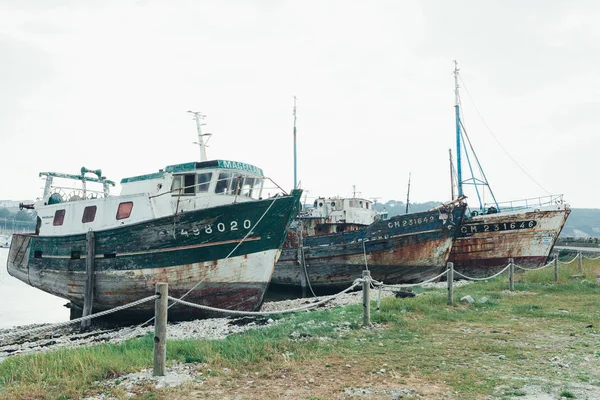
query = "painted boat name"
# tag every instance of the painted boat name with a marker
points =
(411, 222)
(505, 226)
(208, 229)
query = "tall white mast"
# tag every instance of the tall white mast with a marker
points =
(198, 116)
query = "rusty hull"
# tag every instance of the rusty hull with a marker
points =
(486, 251)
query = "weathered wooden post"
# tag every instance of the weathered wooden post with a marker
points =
(88, 296)
(511, 274)
(556, 268)
(579, 262)
(160, 329)
(366, 286)
(450, 280)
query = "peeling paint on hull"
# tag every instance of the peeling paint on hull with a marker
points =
(130, 260)
(486, 251)
(399, 252)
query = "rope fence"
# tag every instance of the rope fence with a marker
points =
(78, 320)
(569, 262)
(162, 298)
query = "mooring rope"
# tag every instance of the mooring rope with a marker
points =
(77, 320)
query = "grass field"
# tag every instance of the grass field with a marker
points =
(544, 337)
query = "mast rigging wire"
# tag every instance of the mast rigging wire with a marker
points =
(498, 141)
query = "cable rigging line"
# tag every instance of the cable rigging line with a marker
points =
(496, 139)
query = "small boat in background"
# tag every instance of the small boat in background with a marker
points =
(524, 230)
(330, 244)
(202, 227)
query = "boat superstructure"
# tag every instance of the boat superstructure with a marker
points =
(491, 233)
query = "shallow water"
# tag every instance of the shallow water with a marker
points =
(21, 304)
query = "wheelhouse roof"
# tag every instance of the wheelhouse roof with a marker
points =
(194, 165)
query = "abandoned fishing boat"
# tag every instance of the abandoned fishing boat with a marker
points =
(525, 230)
(330, 244)
(202, 227)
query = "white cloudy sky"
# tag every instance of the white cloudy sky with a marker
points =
(106, 84)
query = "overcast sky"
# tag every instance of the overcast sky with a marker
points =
(106, 84)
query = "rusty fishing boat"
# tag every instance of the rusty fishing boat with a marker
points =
(331, 243)
(524, 230)
(202, 227)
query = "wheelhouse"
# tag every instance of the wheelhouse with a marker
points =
(64, 209)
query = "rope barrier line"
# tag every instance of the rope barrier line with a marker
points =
(534, 269)
(399, 286)
(264, 313)
(568, 262)
(481, 279)
(591, 258)
(78, 320)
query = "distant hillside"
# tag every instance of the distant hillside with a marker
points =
(394, 207)
(582, 223)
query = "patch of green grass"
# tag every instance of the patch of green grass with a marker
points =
(566, 394)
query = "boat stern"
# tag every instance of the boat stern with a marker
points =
(18, 257)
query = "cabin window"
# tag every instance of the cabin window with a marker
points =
(89, 213)
(248, 186)
(190, 184)
(367, 204)
(184, 184)
(204, 182)
(59, 217)
(124, 210)
(224, 183)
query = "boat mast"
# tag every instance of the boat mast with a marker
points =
(408, 194)
(458, 132)
(295, 170)
(451, 176)
(198, 116)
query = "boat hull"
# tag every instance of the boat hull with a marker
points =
(230, 250)
(486, 242)
(395, 251)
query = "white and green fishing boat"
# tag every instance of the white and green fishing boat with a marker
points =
(200, 226)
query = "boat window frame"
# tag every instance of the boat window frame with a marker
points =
(86, 218)
(204, 185)
(120, 214)
(59, 217)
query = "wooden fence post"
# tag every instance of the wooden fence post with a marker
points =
(579, 262)
(88, 296)
(450, 280)
(366, 286)
(511, 274)
(556, 268)
(160, 329)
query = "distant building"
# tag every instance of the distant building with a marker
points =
(13, 203)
